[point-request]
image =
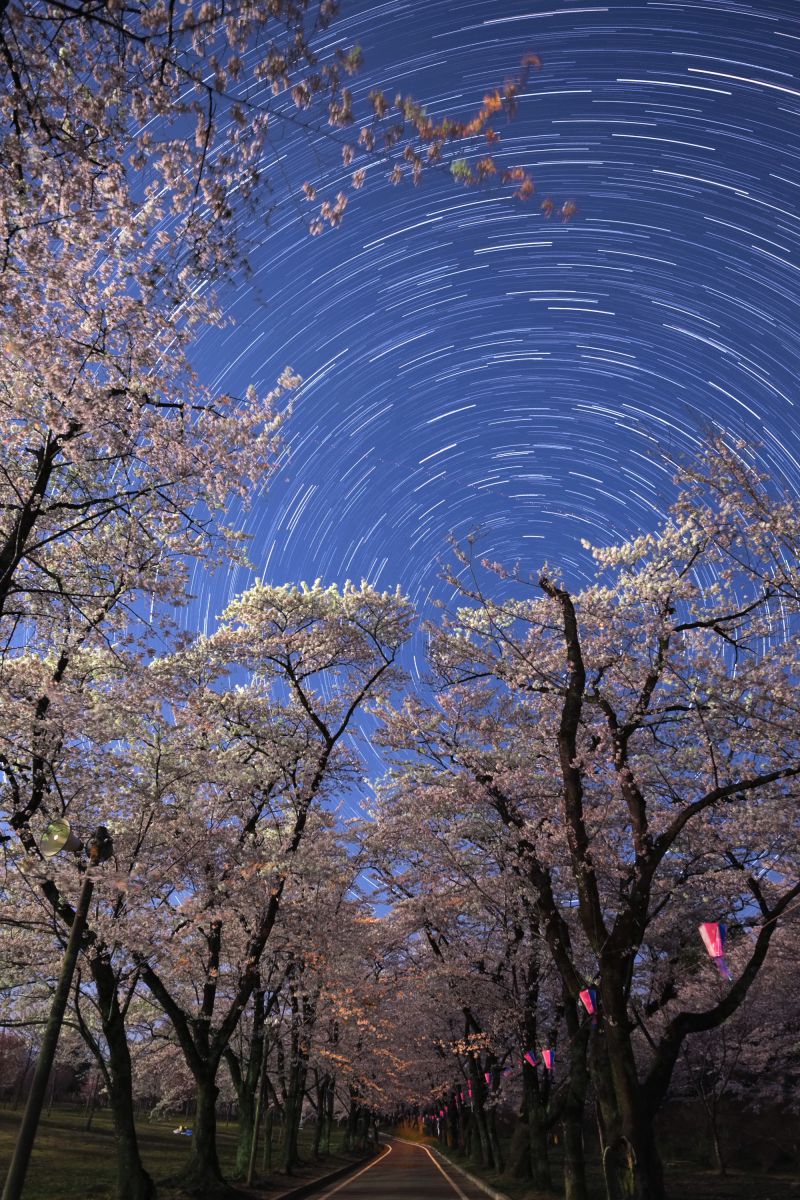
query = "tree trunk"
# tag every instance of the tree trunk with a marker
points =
(133, 1181)
(246, 1079)
(352, 1123)
(572, 1114)
(518, 1165)
(19, 1090)
(494, 1141)
(716, 1139)
(245, 1132)
(92, 1104)
(535, 1120)
(609, 1128)
(322, 1095)
(266, 1156)
(328, 1116)
(479, 1118)
(456, 1124)
(574, 1160)
(461, 1143)
(633, 1156)
(293, 1112)
(202, 1174)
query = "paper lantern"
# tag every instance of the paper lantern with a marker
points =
(588, 999)
(530, 1058)
(547, 1059)
(713, 935)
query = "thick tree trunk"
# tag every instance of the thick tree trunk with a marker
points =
(352, 1123)
(609, 1128)
(362, 1134)
(19, 1089)
(472, 1146)
(266, 1156)
(316, 1149)
(482, 1137)
(461, 1143)
(133, 1181)
(572, 1114)
(328, 1117)
(202, 1174)
(324, 1086)
(518, 1165)
(632, 1153)
(245, 1131)
(246, 1079)
(452, 1123)
(574, 1160)
(293, 1111)
(534, 1118)
(480, 1127)
(494, 1141)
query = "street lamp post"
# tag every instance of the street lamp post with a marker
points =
(100, 849)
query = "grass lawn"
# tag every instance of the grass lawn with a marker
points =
(70, 1164)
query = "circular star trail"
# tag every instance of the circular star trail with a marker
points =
(474, 369)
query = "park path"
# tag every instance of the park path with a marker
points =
(405, 1172)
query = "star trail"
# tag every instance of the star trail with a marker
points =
(472, 368)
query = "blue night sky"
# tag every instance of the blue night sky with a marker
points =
(473, 368)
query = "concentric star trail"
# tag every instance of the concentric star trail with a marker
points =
(472, 368)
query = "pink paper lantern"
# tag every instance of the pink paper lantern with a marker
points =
(588, 999)
(547, 1059)
(530, 1058)
(713, 935)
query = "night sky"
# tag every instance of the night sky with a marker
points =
(472, 368)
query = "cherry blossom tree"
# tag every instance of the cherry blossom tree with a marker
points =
(316, 656)
(448, 865)
(638, 736)
(116, 227)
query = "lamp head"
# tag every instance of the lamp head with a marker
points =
(58, 836)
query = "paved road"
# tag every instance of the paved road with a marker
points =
(405, 1172)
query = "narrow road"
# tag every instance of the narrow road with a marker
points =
(405, 1172)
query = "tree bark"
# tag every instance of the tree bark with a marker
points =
(246, 1084)
(202, 1174)
(322, 1099)
(328, 1116)
(572, 1114)
(133, 1181)
(633, 1156)
(294, 1107)
(352, 1123)
(494, 1141)
(266, 1155)
(479, 1116)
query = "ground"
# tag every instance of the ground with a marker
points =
(685, 1181)
(83, 1164)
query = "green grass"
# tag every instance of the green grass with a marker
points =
(70, 1164)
